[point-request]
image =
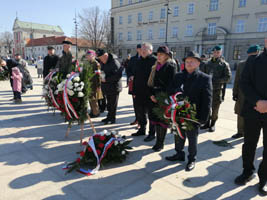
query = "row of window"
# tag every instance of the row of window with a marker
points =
(43, 48)
(240, 28)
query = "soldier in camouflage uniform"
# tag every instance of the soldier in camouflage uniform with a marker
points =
(64, 64)
(220, 71)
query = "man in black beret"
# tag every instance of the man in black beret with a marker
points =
(110, 82)
(197, 86)
(50, 61)
(64, 63)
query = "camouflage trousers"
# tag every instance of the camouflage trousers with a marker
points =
(216, 102)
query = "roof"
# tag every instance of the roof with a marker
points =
(30, 25)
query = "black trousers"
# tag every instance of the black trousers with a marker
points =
(192, 137)
(112, 103)
(252, 129)
(102, 103)
(134, 106)
(17, 95)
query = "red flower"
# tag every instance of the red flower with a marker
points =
(182, 120)
(98, 152)
(101, 145)
(187, 105)
(188, 116)
(67, 117)
(78, 160)
(89, 149)
(102, 138)
(75, 100)
(82, 154)
(84, 143)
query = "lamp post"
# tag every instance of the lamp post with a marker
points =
(76, 34)
(166, 31)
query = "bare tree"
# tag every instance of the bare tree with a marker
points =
(92, 26)
(7, 41)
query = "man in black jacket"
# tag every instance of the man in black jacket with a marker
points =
(64, 63)
(254, 87)
(141, 90)
(197, 86)
(111, 82)
(50, 61)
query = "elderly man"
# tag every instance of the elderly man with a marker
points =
(50, 61)
(111, 82)
(237, 93)
(64, 64)
(197, 86)
(141, 90)
(254, 87)
(220, 71)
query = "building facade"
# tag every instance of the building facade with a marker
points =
(24, 31)
(191, 25)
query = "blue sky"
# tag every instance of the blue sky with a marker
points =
(54, 12)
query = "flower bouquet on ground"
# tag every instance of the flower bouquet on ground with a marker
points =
(103, 148)
(177, 111)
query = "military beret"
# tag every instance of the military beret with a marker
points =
(217, 48)
(253, 49)
(100, 52)
(66, 42)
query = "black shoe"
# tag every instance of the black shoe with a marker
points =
(110, 122)
(105, 120)
(237, 135)
(93, 116)
(149, 138)
(206, 126)
(175, 157)
(263, 189)
(101, 111)
(134, 122)
(139, 132)
(190, 166)
(158, 147)
(243, 179)
(212, 126)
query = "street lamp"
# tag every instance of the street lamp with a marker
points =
(168, 12)
(76, 34)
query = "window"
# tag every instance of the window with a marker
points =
(162, 13)
(189, 30)
(161, 33)
(191, 8)
(139, 35)
(139, 17)
(120, 37)
(263, 1)
(242, 3)
(130, 1)
(150, 34)
(237, 52)
(129, 19)
(120, 19)
(129, 38)
(262, 26)
(214, 5)
(211, 28)
(150, 16)
(121, 2)
(240, 26)
(176, 11)
(175, 32)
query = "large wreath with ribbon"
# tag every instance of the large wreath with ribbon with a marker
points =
(101, 149)
(177, 112)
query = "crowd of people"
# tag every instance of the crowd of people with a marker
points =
(201, 79)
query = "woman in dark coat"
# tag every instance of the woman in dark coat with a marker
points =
(161, 76)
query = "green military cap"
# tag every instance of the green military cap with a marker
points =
(253, 49)
(217, 48)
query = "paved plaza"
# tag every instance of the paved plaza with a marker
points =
(33, 151)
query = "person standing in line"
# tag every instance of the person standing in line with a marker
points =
(111, 82)
(220, 71)
(40, 66)
(160, 78)
(238, 96)
(17, 84)
(197, 86)
(254, 111)
(50, 61)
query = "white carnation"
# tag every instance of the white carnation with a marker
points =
(70, 87)
(121, 141)
(77, 79)
(123, 153)
(75, 89)
(184, 127)
(79, 89)
(76, 84)
(116, 143)
(68, 75)
(105, 131)
(70, 92)
(56, 92)
(80, 94)
(46, 86)
(70, 83)
(82, 83)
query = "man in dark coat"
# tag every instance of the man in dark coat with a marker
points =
(50, 61)
(238, 96)
(141, 90)
(111, 82)
(132, 65)
(254, 87)
(197, 86)
(64, 63)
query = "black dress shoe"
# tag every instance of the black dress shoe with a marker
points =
(190, 166)
(243, 179)
(175, 157)
(149, 138)
(263, 188)
(93, 116)
(105, 120)
(110, 122)
(237, 135)
(206, 126)
(158, 147)
(139, 132)
(212, 129)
